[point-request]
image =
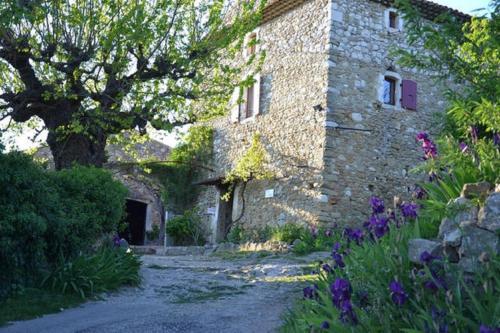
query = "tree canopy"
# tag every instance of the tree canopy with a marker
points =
(92, 68)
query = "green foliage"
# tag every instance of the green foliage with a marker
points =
(92, 204)
(27, 205)
(316, 240)
(186, 229)
(439, 195)
(103, 271)
(186, 163)
(371, 267)
(467, 54)
(32, 303)
(311, 240)
(154, 233)
(252, 165)
(50, 216)
(112, 65)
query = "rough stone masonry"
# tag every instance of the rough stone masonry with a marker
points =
(331, 139)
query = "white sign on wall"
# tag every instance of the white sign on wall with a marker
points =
(269, 193)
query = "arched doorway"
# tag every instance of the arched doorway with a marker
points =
(136, 222)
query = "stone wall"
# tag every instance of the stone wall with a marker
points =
(376, 157)
(293, 81)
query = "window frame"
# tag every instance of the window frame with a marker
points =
(399, 23)
(398, 91)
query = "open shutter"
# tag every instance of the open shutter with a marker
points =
(235, 106)
(256, 95)
(409, 95)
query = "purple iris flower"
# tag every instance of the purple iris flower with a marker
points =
(347, 314)
(341, 291)
(314, 232)
(486, 329)
(325, 325)
(419, 193)
(311, 292)
(398, 294)
(431, 286)
(339, 260)
(427, 258)
(355, 235)
(463, 147)
(496, 139)
(377, 205)
(328, 233)
(116, 240)
(380, 226)
(327, 268)
(409, 210)
(422, 136)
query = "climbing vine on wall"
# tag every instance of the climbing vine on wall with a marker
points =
(184, 165)
(253, 165)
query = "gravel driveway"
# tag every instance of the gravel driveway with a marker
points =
(190, 294)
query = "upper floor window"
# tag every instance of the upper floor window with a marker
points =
(396, 92)
(393, 21)
(389, 90)
(252, 44)
(247, 107)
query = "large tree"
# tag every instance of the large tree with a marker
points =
(89, 69)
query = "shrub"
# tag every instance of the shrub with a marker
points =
(186, 229)
(154, 233)
(92, 204)
(106, 270)
(27, 205)
(47, 217)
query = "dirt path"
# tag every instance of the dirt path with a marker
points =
(190, 294)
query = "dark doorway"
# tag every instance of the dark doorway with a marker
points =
(225, 214)
(136, 222)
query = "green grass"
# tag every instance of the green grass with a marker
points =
(33, 303)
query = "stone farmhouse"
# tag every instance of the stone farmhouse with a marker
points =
(337, 115)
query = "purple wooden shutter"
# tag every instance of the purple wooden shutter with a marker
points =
(409, 95)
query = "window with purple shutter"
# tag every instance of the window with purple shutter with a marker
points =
(409, 94)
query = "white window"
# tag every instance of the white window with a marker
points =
(393, 20)
(248, 106)
(390, 90)
(251, 44)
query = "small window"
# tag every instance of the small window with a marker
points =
(393, 20)
(252, 44)
(390, 90)
(247, 107)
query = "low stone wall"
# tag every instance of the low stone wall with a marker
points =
(471, 237)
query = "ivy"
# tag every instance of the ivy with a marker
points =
(185, 164)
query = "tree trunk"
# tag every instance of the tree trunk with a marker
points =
(68, 149)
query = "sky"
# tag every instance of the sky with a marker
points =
(466, 6)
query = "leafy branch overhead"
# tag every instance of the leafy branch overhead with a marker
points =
(92, 68)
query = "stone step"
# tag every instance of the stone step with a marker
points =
(172, 250)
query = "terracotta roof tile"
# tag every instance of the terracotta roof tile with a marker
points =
(429, 9)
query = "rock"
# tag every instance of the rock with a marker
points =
(489, 215)
(418, 246)
(453, 239)
(447, 226)
(497, 188)
(475, 241)
(477, 190)
(469, 265)
(296, 242)
(466, 210)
